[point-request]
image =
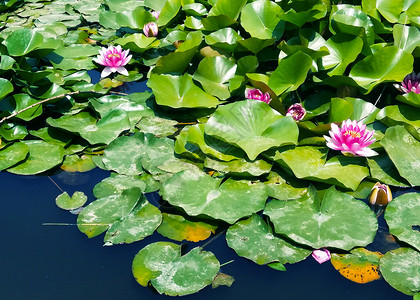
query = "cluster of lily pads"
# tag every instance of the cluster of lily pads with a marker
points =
(240, 130)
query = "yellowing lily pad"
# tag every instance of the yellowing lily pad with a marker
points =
(178, 228)
(360, 265)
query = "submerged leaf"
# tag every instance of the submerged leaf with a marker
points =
(178, 228)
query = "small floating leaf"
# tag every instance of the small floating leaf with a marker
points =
(403, 218)
(64, 201)
(170, 273)
(401, 269)
(178, 228)
(360, 265)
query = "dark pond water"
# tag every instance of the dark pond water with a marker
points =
(58, 262)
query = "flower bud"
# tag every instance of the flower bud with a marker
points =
(150, 29)
(256, 94)
(380, 194)
(296, 111)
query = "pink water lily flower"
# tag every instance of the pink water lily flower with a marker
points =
(296, 111)
(321, 255)
(411, 83)
(351, 139)
(114, 59)
(256, 94)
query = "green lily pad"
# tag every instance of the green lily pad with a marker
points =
(179, 92)
(12, 131)
(382, 169)
(130, 155)
(290, 73)
(157, 126)
(225, 38)
(128, 217)
(213, 147)
(201, 194)
(137, 42)
(326, 222)
(343, 49)
(76, 163)
(239, 167)
(116, 184)
(213, 73)
(411, 98)
(21, 42)
(178, 228)
(399, 115)
(310, 163)
(253, 238)
(12, 155)
(404, 151)
(261, 19)
(253, 126)
(402, 217)
(141, 222)
(162, 265)
(42, 157)
(280, 189)
(6, 87)
(401, 269)
(387, 64)
(64, 201)
(406, 37)
(95, 132)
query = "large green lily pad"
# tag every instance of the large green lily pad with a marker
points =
(401, 269)
(128, 217)
(42, 157)
(162, 265)
(253, 238)
(309, 162)
(253, 126)
(326, 222)
(402, 217)
(130, 155)
(198, 193)
(404, 151)
(116, 184)
(179, 92)
(12, 155)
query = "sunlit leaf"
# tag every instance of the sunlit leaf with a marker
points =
(404, 151)
(400, 268)
(74, 163)
(42, 157)
(13, 154)
(64, 201)
(199, 193)
(116, 184)
(253, 238)
(174, 275)
(324, 222)
(253, 126)
(402, 217)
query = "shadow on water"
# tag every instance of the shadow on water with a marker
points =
(57, 261)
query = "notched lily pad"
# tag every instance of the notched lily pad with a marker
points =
(253, 238)
(401, 269)
(403, 218)
(64, 201)
(199, 193)
(169, 273)
(326, 222)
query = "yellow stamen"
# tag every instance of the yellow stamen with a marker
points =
(352, 133)
(113, 55)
